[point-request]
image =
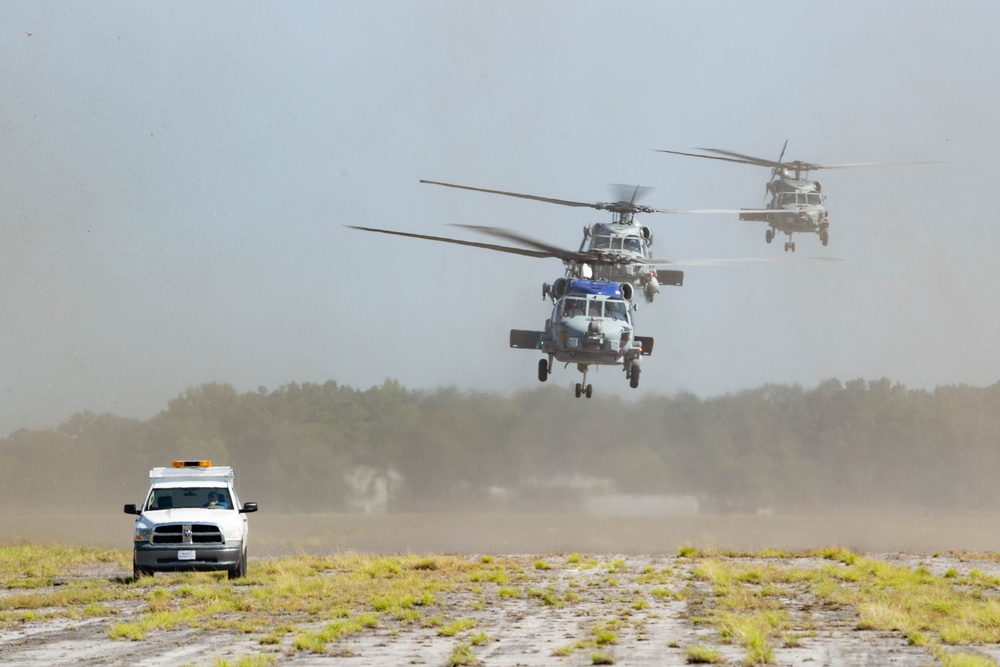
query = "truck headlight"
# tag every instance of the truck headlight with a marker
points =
(142, 533)
(233, 535)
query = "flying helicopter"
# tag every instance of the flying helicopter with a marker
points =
(796, 204)
(617, 251)
(591, 322)
(591, 325)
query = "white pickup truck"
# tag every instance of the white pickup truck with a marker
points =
(191, 520)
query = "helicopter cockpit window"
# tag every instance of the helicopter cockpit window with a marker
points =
(574, 307)
(616, 310)
(633, 245)
(814, 198)
(595, 308)
(601, 242)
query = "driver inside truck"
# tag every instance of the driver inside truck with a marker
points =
(214, 502)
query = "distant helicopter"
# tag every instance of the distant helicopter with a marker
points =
(591, 325)
(796, 203)
(617, 251)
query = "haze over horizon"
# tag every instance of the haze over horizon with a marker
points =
(177, 180)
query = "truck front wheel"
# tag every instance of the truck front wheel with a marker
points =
(240, 570)
(138, 572)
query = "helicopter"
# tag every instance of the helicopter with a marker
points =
(617, 251)
(591, 325)
(591, 321)
(797, 204)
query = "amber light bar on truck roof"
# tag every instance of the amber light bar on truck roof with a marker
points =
(192, 464)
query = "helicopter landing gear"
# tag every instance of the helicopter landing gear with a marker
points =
(543, 370)
(583, 388)
(769, 235)
(633, 380)
(790, 246)
(824, 237)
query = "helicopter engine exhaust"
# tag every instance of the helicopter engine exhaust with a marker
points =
(627, 291)
(558, 288)
(647, 235)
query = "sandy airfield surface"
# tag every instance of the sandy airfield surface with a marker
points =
(597, 568)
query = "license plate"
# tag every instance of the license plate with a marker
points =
(187, 554)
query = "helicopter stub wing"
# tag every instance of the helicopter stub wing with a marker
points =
(525, 340)
(759, 215)
(671, 277)
(444, 239)
(647, 344)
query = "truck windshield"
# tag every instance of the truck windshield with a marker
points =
(186, 497)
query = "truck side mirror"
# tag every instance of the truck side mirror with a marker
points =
(248, 507)
(130, 509)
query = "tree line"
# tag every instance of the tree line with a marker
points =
(858, 444)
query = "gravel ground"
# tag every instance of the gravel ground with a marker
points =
(656, 619)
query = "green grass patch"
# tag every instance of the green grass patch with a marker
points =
(700, 654)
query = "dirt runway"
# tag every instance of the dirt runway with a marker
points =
(630, 582)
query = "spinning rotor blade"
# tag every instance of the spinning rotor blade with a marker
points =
(550, 250)
(444, 239)
(550, 200)
(618, 207)
(630, 193)
(870, 164)
(710, 157)
(796, 165)
(748, 159)
(740, 260)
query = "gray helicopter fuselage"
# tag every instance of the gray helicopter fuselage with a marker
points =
(590, 329)
(798, 205)
(624, 242)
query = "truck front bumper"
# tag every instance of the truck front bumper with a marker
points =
(177, 557)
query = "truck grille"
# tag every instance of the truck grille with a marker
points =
(187, 533)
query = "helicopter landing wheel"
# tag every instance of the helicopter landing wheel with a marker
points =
(824, 237)
(634, 377)
(579, 389)
(769, 235)
(543, 370)
(590, 390)
(792, 246)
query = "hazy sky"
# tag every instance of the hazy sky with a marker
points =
(175, 180)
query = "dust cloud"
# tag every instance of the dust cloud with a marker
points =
(275, 535)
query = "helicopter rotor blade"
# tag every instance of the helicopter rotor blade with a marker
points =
(445, 239)
(750, 159)
(550, 200)
(551, 250)
(856, 165)
(740, 260)
(621, 206)
(708, 157)
(780, 157)
(630, 193)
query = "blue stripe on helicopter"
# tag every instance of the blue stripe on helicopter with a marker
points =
(599, 287)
